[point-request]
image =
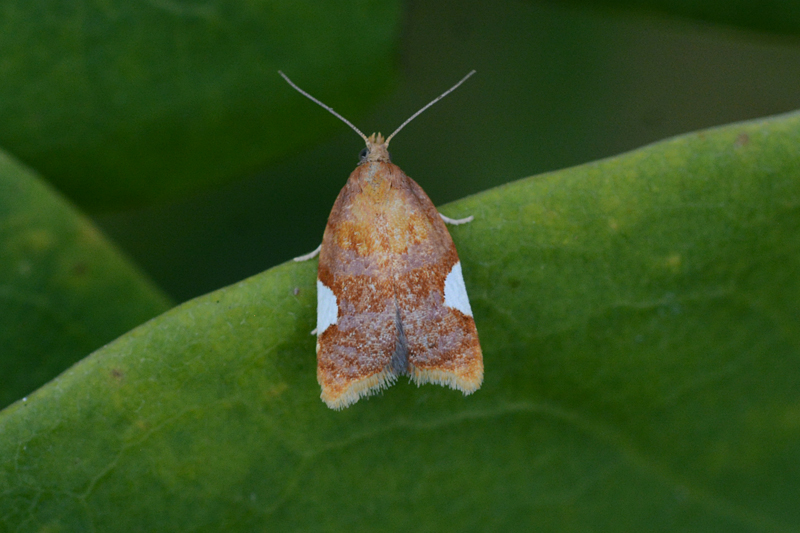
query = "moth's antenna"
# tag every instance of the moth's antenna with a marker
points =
(334, 113)
(415, 115)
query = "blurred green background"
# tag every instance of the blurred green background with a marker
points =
(557, 85)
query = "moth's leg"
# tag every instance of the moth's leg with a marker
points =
(312, 255)
(453, 221)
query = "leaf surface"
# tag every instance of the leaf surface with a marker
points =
(638, 317)
(64, 289)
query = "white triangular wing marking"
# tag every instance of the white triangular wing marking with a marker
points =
(455, 292)
(327, 308)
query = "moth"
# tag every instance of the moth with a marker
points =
(391, 298)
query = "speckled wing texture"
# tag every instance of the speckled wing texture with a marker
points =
(391, 297)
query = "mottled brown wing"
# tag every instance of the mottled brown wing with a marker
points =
(354, 354)
(436, 321)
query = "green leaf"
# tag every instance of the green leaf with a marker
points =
(122, 102)
(64, 290)
(639, 323)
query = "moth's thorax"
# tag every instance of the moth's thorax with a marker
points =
(379, 214)
(376, 179)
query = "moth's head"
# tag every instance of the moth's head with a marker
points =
(377, 150)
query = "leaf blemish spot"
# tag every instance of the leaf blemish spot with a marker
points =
(742, 139)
